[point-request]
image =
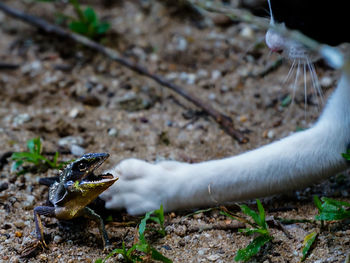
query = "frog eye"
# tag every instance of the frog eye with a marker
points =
(82, 166)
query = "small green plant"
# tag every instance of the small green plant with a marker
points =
(346, 155)
(330, 209)
(142, 250)
(86, 21)
(308, 241)
(259, 228)
(34, 157)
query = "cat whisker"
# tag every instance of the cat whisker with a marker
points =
(315, 84)
(305, 90)
(295, 84)
(291, 70)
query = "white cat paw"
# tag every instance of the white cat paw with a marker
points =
(141, 187)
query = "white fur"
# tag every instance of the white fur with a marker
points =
(294, 162)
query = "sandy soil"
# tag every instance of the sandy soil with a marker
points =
(61, 90)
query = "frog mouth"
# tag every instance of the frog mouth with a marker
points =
(97, 179)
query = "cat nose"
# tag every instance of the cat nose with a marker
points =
(278, 50)
(274, 41)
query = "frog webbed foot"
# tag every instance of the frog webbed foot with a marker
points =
(33, 248)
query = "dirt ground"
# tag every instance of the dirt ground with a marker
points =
(77, 100)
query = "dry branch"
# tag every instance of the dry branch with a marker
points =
(223, 120)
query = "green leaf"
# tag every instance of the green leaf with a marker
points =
(335, 202)
(102, 28)
(34, 145)
(16, 165)
(90, 16)
(346, 155)
(99, 260)
(286, 101)
(250, 231)
(142, 226)
(245, 209)
(129, 251)
(142, 247)
(158, 256)
(331, 209)
(79, 27)
(318, 203)
(261, 214)
(308, 241)
(253, 248)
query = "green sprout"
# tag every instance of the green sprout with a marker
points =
(259, 228)
(330, 209)
(142, 250)
(86, 21)
(34, 156)
(308, 241)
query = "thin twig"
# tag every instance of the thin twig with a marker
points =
(8, 66)
(223, 120)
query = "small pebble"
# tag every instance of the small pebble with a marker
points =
(247, 32)
(19, 224)
(74, 113)
(29, 202)
(57, 239)
(18, 234)
(76, 150)
(14, 259)
(326, 82)
(215, 74)
(21, 119)
(213, 257)
(69, 140)
(112, 132)
(243, 118)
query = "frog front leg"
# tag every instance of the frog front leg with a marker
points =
(33, 247)
(45, 211)
(89, 213)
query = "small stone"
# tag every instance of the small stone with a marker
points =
(201, 252)
(14, 259)
(57, 239)
(112, 132)
(181, 43)
(76, 150)
(18, 234)
(212, 96)
(4, 186)
(32, 68)
(326, 82)
(69, 140)
(43, 257)
(29, 202)
(243, 118)
(20, 119)
(180, 230)
(74, 113)
(215, 74)
(247, 32)
(270, 134)
(213, 257)
(19, 224)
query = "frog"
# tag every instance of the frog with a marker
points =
(76, 187)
